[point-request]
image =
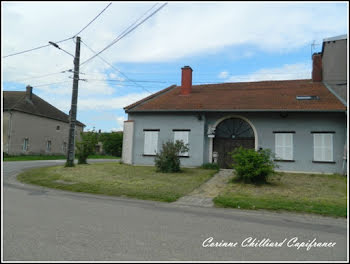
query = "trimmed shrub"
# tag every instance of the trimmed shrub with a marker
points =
(253, 166)
(167, 160)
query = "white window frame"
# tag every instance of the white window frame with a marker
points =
(284, 150)
(182, 135)
(320, 150)
(25, 146)
(150, 146)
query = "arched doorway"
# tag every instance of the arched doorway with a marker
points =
(230, 134)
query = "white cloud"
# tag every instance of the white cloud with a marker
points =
(223, 75)
(178, 30)
(286, 72)
(120, 121)
(98, 103)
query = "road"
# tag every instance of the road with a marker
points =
(41, 224)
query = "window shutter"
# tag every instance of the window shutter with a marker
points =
(151, 142)
(279, 146)
(288, 146)
(181, 135)
(284, 146)
(323, 147)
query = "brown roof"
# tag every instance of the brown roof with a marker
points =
(244, 96)
(16, 101)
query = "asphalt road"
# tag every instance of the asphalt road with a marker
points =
(41, 224)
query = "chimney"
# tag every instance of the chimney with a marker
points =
(317, 67)
(29, 92)
(186, 80)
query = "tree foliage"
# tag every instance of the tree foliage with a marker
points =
(86, 146)
(112, 143)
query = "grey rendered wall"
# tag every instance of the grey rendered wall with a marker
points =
(166, 123)
(38, 130)
(334, 66)
(5, 129)
(302, 124)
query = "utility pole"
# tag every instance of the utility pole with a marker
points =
(73, 110)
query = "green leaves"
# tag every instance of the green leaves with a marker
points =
(253, 166)
(168, 159)
(86, 146)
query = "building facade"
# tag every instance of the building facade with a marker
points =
(300, 121)
(31, 126)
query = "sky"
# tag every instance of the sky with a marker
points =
(220, 41)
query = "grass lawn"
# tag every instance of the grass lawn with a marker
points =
(319, 194)
(141, 182)
(50, 157)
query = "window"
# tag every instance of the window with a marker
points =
(284, 146)
(151, 142)
(57, 128)
(307, 97)
(182, 135)
(48, 146)
(323, 147)
(25, 144)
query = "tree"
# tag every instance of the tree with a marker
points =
(86, 146)
(112, 143)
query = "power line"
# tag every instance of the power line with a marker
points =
(47, 84)
(122, 35)
(45, 75)
(92, 20)
(47, 45)
(114, 67)
(115, 80)
(40, 47)
(36, 77)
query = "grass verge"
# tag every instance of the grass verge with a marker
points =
(142, 182)
(308, 193)
(50, 157)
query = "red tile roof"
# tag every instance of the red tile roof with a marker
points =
(250, 96)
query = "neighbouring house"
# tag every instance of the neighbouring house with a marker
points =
(301, 121)
(334, 66)
(33, 126)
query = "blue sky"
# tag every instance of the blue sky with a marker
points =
(221, 41)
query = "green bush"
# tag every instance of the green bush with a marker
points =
(86, 146)
(167, 160)
(253, 166)
(210, 166)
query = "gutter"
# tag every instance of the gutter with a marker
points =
(233, 110)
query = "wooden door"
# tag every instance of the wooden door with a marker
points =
(229, 135)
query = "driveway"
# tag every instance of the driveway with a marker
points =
(41, 224)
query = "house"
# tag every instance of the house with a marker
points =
(301, 121)
(33, 126)
(334, 66)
